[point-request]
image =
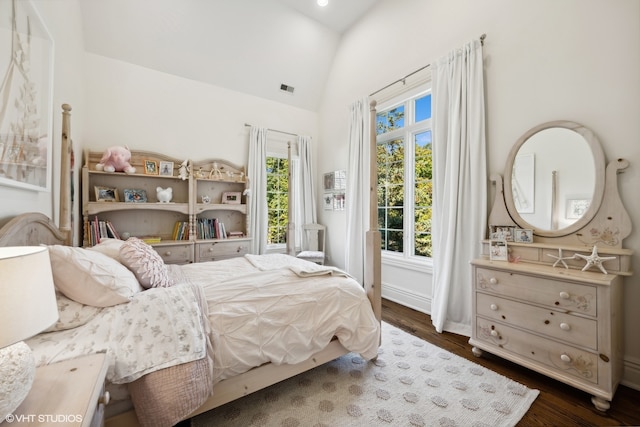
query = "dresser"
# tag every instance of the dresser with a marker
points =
(563, 323)
(554, 302)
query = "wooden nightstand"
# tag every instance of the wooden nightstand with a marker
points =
(69, 393)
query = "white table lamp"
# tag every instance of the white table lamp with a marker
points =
(27, 307)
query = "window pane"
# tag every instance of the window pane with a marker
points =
(389, 120)
(423, 108)
(423, 245)
(277, 199)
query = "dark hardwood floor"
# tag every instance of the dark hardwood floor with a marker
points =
(557, 405)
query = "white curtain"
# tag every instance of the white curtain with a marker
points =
(304, 195)
(459, 181)
(357, 195)
(257, 173)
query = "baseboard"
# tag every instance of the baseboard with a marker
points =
(631, 374)
(417, 302)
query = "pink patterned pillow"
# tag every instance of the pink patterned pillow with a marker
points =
(145, 263)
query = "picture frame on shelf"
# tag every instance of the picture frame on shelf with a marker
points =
(106, 194)
(151, 167)
(498, 250)
(523, 235)
(231, 198)
(166, 168)
(134, 195)
(501, 232)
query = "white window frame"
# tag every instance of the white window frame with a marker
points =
(407, 259)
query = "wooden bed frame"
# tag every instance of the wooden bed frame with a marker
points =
(32, 228)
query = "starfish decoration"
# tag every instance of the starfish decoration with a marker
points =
(594, 260)
(560, 258)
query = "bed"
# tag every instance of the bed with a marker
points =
(220, 331)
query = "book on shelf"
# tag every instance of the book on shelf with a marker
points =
(151, 239)
(181, 230)
(101, 229)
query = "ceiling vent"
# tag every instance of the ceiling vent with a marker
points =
(286, 88)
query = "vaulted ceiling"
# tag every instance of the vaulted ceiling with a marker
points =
(250, 46)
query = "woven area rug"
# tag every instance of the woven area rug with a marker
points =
(412, 383)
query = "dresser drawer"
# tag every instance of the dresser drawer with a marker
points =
(560, 357)
(214, 251)
(175, 253)
(565, 327)
(562, 295)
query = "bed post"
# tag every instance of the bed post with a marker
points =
(66, 155)
(373, 269)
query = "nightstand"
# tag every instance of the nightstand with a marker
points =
(68, 393)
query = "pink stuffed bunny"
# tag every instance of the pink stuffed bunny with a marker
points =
(116, 159)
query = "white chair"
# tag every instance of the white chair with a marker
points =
(313, 243)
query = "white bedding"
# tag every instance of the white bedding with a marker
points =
(279, 309)
(260, 310)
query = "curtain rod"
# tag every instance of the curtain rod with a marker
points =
(275, 130)
(482, 37)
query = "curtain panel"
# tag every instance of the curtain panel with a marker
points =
(459, 181)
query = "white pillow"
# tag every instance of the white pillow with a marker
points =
(90, 277)
(72, 314)
(109, 247)
(145, 262)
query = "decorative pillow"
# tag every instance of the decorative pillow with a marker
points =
(109, 247)
(72, 314)
(90, 277)
(145, 263)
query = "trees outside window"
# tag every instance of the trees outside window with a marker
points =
(405, 185)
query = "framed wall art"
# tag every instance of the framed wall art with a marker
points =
(26, 96)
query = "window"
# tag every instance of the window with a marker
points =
(277, 200)
(405, 185)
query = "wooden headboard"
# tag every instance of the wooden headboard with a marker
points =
(31, 229)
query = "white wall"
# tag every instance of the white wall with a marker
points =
(63, 22)
(545, 60)
(150, 110)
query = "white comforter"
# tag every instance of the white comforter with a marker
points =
(276, 308)
(270, 308)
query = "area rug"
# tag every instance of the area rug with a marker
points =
(411, 383)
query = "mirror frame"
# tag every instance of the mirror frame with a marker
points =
(598, 191)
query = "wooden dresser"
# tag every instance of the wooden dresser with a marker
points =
(554, 302)
(563, 323)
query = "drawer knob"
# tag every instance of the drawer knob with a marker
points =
(105, 398)
(565, 326)
(211, 249)
(494, 333)
(565, 358)
(564, 295)
(494, 307)
(168, 253)
(493, 281)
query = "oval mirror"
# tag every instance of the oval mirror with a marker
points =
(554, 178)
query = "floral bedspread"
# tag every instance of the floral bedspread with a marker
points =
(159, 328)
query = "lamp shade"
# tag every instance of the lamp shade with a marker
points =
(27, 296)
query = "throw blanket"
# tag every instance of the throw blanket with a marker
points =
(300, 267)
(159, 343)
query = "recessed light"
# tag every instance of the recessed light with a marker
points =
(323, 3)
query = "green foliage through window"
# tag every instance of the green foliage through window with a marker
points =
(277, 199)
(397, 188)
